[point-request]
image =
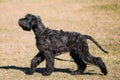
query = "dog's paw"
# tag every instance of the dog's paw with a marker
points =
(104, 71)
(77, 72)
(46, 73)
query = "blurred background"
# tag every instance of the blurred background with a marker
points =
(98, 18)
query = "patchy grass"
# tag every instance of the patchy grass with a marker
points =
(108, 7)
(99, 18)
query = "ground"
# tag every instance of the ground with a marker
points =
(98, 18)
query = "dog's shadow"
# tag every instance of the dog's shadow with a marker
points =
(26, 70)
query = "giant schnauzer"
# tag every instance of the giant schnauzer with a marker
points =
(51, 43)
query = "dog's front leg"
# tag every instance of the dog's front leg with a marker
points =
(49, 63)
(36, 61)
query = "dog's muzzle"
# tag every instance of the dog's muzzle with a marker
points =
(23, 25)
(20, 23)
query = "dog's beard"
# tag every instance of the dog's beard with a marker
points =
(24, 25)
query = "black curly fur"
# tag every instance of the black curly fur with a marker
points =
(51, 43)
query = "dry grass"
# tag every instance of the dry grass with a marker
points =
(99, 18)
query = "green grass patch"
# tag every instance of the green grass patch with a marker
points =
(108, 7)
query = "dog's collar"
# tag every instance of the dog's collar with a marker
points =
(40, 34)
(43, 31)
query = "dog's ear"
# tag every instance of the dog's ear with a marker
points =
(27, 15)
(35, 21)
(38, 18)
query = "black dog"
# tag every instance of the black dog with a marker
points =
(53, 42)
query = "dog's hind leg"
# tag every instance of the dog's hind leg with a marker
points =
(80, 64)
(86, 56)
(36, 61)
(98, 62)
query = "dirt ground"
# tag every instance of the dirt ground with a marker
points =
(98, 18)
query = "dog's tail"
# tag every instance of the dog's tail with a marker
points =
(94, 41)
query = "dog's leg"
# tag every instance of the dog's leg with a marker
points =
(36, 61)
(86, 56)
(98, 62)
(80, 64)
(49, 63)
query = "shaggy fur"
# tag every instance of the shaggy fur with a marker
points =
(51, 43)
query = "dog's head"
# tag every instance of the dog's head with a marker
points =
(29, 21)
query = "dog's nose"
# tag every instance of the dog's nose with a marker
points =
(20, 19)
(19, 22)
